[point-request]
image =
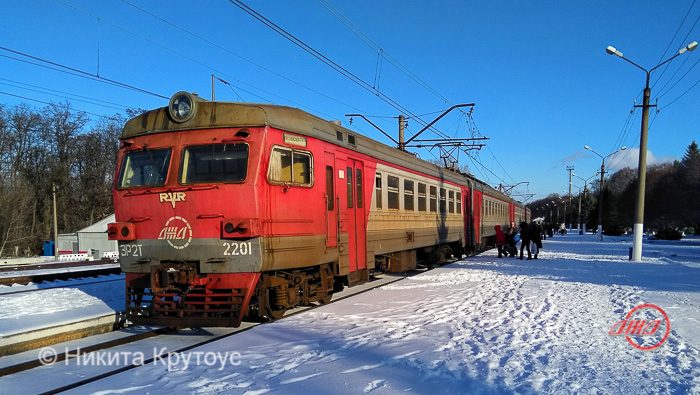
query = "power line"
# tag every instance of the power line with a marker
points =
(50, 104)
(681, 95)
(663, 93)
(329, 62)
(204, 39)
(90, 101)
(671, 42)
(79, 72)
(380, 51)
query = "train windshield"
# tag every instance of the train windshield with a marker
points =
(146, 168)
(214, 163)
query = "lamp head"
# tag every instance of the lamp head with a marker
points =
(586, 147)
(623, 148)
(613, 51)
(689, 47)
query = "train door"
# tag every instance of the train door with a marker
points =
(356, 219)
(467, 217)
(331, 202)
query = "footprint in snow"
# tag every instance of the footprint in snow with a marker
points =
(374, 384)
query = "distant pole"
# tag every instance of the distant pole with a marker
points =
(581, 226)
(600, 201)
(569, 169)
(55, 223)
(402, 125)
(213, 96)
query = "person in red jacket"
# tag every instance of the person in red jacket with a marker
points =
(500, 241)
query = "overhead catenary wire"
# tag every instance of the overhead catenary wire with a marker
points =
(326, 60)
(205, 66)
(230, 52)
(380, 51)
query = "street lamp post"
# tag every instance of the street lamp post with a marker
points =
(600, 190)
(642, 169)
(579, 205)
(581, 227)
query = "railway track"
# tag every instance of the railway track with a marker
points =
(155, 334)
(97, 280)
(58, 271)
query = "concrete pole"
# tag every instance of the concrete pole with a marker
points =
(600, 201)
(642, 177)
(402, 124)
(55, 223)
(580, 231)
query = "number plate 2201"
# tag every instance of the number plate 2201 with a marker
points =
(236, 248)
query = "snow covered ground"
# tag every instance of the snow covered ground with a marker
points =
(482, 325)
(55, 303)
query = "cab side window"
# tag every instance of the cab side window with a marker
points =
(290, 167)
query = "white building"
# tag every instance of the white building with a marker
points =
(91, 240)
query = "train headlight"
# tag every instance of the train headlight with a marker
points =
(182, 107)
(122, 231)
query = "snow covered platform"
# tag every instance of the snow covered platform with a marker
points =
(482, 325)
(37, 315)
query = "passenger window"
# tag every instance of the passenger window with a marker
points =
(421, 197)
(290, 166)
(443, 203)
(408, 195)
(378, 190)
(451, 201)
(459, 202)
(393, 192)
(433, 199)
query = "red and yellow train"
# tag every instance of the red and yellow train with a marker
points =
(228, 210)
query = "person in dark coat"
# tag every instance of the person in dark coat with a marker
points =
(524, 240)
(510, 239)
(500, 241)
(535, 238)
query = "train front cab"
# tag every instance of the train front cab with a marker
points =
(188, 227)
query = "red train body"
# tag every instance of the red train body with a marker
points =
(228, 210)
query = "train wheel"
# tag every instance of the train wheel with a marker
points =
(270, 311)
(327, 284)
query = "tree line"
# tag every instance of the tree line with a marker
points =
(53, 146)
(672, 199)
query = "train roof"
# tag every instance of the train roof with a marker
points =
(210, 114)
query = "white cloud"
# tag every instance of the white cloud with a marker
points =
(630, 158)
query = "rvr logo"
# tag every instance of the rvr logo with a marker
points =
(172, 197)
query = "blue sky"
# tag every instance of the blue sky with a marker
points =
(537, 70)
